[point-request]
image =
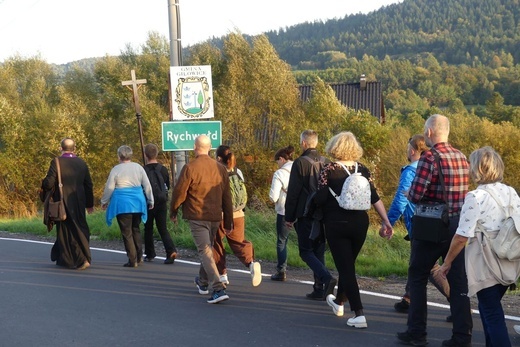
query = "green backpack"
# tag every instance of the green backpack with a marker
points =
(238, 191)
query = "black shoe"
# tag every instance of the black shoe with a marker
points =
(149, 259)
(129, 264)
(171, 258)
(408, 339)
(316, 295)
(279, 276)
(402, 306)
(329, 287)
(449, 319)
(452, 343)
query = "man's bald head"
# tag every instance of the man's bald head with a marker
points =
(68, 145)
(202, 144)
(436, 129)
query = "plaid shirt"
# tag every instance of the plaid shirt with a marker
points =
(455, 168)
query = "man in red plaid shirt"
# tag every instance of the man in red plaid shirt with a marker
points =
(425, 187)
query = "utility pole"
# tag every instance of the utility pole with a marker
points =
(136, 84)
(178, 159)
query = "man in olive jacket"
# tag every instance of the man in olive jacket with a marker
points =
(204, 193)
(302, 183)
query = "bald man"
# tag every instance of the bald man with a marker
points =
(425, 187)
(204, 193)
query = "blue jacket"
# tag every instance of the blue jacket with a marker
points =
(401, 205)
(127, 200)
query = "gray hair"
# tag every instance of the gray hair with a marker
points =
(124, 152)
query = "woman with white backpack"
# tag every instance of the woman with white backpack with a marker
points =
(345, 193)
(483, 213)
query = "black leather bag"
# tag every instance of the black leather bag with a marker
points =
(431, 221)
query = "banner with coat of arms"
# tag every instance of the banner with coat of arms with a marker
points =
(192, 92)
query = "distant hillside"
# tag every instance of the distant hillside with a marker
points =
(455, 31)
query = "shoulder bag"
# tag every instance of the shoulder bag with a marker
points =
(431, 219)
(56, 209)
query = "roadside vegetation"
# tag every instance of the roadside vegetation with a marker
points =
(378, 258)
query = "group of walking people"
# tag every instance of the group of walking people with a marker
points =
(306, 192)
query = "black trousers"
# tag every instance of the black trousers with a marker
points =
(157, 214)
(129, 225)
(423, 257)
(345, 239)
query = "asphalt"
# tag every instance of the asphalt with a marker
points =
(158, 305)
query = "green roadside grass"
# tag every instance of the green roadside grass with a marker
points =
(379, 257)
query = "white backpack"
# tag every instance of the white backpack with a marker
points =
(506, 244)
(355, 193)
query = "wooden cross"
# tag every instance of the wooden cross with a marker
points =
(136, 84)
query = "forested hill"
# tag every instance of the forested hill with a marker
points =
(455, 31)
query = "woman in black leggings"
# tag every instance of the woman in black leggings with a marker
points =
(346, 230)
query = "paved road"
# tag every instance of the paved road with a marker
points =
(158, 305)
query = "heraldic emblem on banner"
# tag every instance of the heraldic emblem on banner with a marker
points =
(192, 96)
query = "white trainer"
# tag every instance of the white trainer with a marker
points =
(337, 309)
(359, 322)
(256, 273)
(517, 329)
(224, 279)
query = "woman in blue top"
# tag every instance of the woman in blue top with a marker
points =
(124, 199)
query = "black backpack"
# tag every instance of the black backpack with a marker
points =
(159, 189)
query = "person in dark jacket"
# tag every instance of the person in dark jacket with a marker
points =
(158, 212)
(346, 230)
(303, 181)
(71, 248)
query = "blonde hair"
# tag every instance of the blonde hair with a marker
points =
(344, 146)
(486, 166)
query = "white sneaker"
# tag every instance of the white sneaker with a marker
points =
(256, 273)
(224, 279)
(337, 309)
(357, 322)
(517, 329)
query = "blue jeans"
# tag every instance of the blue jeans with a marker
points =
(492, 316)
(282, 235)
(312, 252)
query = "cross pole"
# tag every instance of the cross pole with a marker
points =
(134, 86)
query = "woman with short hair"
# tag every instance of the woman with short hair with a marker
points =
(124, 199)
(483, 211)
(346, 230)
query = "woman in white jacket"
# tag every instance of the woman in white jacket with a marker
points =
(277, 194)
(484, 211)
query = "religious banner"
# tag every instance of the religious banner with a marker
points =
(192, 92)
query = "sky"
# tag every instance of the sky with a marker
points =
(62, 31)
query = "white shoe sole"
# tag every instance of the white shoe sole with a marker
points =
(256, 273)
(336, 309)
(358, 325)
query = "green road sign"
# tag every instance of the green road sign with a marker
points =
(180, 136)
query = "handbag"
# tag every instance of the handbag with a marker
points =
(431, 218)
(56, 209)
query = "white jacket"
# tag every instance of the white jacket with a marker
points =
(278, 192)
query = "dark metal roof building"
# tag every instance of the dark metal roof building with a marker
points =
(358, 96)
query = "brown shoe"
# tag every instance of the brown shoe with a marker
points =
(171, 258)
